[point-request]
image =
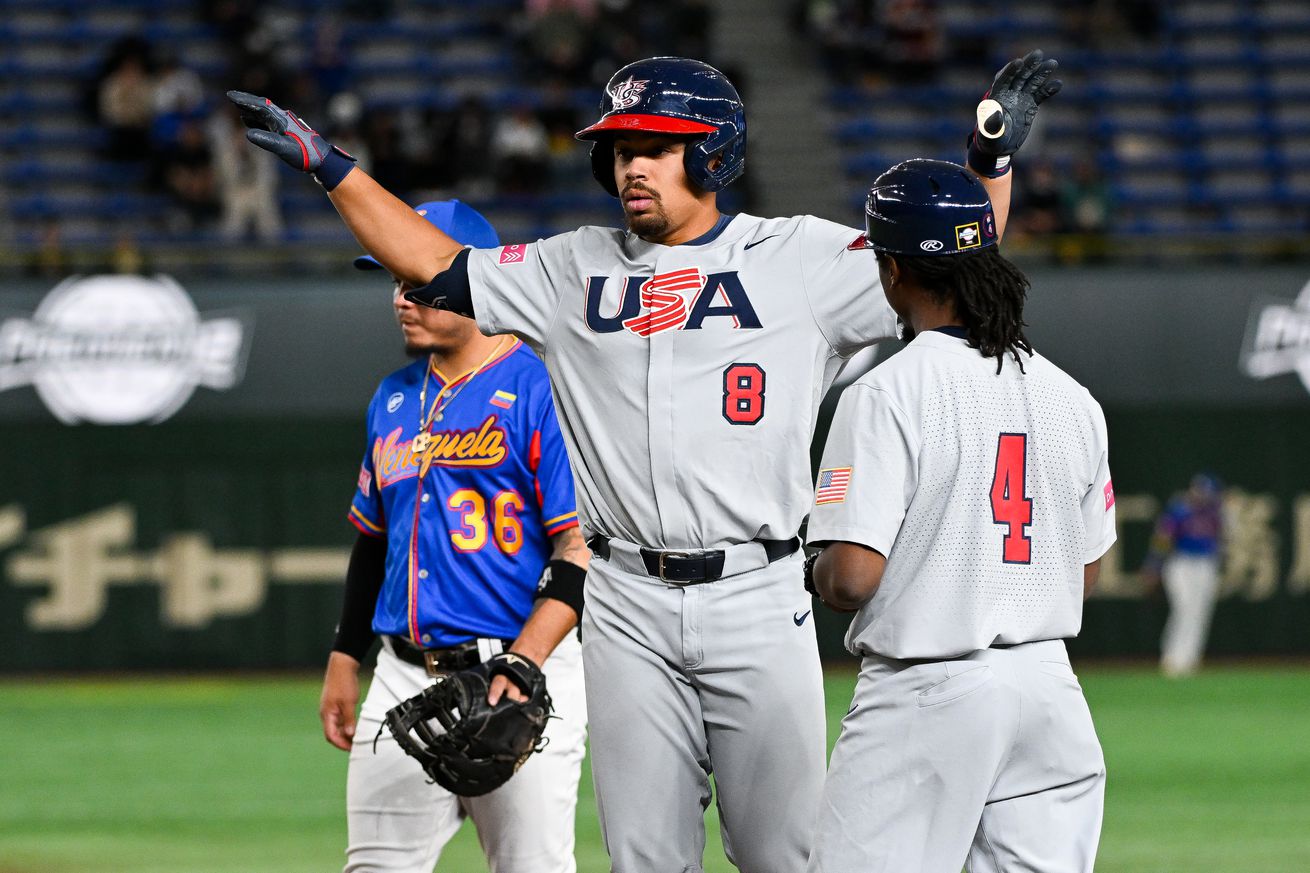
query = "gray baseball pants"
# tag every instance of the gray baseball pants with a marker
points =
(688, 680)
(988, 761)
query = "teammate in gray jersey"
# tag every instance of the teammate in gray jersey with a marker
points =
(688, 353)
(963, 506)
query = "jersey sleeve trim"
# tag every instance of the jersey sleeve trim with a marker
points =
(560, 522)
(364, 524)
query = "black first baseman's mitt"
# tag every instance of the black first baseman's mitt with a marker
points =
(473, 747)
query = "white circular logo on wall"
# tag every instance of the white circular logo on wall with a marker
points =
(119, 350)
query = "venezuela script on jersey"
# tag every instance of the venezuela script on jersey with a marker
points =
(469, 509)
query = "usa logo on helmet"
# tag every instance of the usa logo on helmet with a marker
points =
(628, 92)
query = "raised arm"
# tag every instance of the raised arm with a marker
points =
(1004, 118)
(391, 231)
(388, 229)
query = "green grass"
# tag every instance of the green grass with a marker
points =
(231, 776)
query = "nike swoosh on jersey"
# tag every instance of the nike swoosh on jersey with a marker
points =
(750, 245)
(800, 619)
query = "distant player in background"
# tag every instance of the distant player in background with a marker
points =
(963, 506)
(465, 497)
(1186, 551)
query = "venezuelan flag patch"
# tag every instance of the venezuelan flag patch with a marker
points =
(503, 399)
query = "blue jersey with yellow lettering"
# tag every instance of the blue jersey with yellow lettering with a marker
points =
(468, 520)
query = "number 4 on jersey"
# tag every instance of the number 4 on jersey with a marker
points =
(1010, 506)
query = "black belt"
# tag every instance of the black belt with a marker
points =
(691, 567)
(448, 660)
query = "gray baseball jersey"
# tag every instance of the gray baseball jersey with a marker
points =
(687, 378)
(968, 739)
(987, 493)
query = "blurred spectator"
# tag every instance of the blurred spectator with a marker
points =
(125, 106)
(388, 163)
(464, 148)
(178, 89)
(187, 171)
(1105, 24)
(234, 20)
(558, 38)
(560, 116)
(844, 31)
(520, 150)
(126, 256)
(616, 40)
(247, 181)
(254, 36)
(345, 114)
(913, 46)
(327, 62)
(1086, 199)
(51, 259)
(1185, 555)
(179, 95)
(1040, 198)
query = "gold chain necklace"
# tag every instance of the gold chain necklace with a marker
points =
(423, 438)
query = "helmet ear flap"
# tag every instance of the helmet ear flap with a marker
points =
(602, 164)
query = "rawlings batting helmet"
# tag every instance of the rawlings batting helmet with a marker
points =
(676, 96)
(459, 221)
(923, 207)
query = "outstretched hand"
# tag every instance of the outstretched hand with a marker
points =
(281, 132)
(1007, 110)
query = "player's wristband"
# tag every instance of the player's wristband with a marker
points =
(563, 581)
(988, 166)
(334, 168)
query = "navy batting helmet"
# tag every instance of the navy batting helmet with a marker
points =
(677, 96)
(923, 207)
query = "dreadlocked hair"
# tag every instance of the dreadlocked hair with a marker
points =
(988, 292)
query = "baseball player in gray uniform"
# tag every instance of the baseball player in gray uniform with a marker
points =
(963, 505)
(688, 353)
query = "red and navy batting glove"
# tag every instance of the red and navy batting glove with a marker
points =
(1007, 110)
(281, 132)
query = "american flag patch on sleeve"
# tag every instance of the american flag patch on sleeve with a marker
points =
(833, 483)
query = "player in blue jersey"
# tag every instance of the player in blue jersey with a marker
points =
(1185, 555)
(464, 498)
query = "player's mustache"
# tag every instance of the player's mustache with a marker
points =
(642, 189)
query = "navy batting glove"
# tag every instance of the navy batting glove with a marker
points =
(1006, 113)
(281, 132)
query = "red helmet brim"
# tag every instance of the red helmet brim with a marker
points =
(644, 124)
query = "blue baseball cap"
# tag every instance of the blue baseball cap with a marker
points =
(461, 222)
